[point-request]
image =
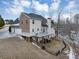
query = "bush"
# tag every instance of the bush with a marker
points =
(1, 22)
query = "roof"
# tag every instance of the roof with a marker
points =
(38, 17)
(15, 26)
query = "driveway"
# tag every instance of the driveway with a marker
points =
(4, 33)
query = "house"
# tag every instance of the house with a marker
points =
(15, 29)
(16, 21)
(36, 25)
(6, 21)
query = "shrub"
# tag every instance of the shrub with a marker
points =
(1, 22)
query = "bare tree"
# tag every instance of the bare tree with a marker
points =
(76, 20)
(68, 27)
(58, 23)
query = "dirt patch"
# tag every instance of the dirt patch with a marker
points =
(54, 46)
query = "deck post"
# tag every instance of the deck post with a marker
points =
(30, 39)
(37, 40)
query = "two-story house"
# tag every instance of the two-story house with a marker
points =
(36, 25)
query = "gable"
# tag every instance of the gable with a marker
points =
(38, 17)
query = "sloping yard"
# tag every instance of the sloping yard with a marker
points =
(15, 48)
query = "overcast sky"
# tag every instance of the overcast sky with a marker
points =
(11, 9)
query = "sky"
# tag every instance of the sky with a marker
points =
(11, 9)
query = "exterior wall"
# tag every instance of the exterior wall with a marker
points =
(35, 26)
(16, 30)
(53, 32)
(24, 23)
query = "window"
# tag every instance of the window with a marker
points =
(43, 30)
(32, 30)
(38, 29)
(46, 29)
(26, 21)
(33, 21)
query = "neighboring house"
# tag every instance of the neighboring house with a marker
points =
(16, 21)
(36, 25)
(9, 21)
(6, 21)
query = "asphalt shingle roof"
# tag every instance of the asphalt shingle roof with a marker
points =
(38, 17)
